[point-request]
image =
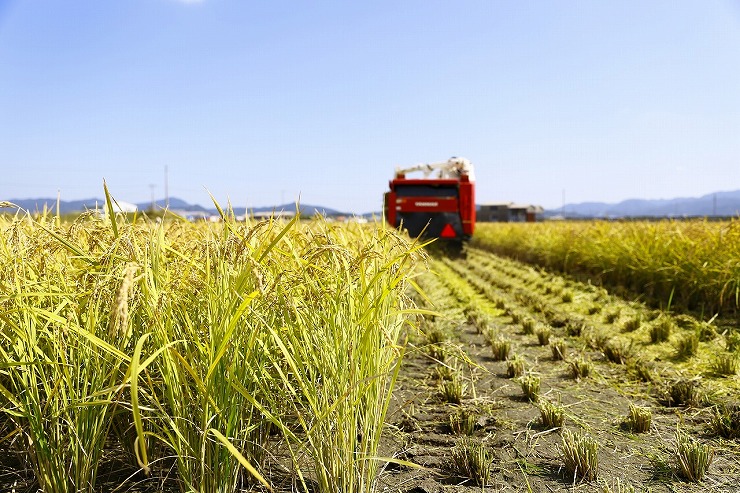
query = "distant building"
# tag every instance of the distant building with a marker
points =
(120, 207)
(493, 212)
(509, 212)
(274, 214)
(191, 216)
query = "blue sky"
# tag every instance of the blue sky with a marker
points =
(263, 102)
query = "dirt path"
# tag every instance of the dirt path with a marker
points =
(483, 298)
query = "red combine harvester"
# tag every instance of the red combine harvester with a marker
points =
(442, 206)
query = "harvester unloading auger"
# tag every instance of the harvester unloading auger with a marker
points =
(440, 206)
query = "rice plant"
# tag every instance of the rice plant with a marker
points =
(599, 339)
(580, 367)
(445, 372)
(558, 347)
(435, 335)
(65, 354)
(543, 335)
(639, 418)
(436, 340)
(632, 323)
(528, 325)
(65, 360)
(732, 341)
(643, 370)
(725, 363)
(333, 371)
(530, 387)
(453, 390)
(661, 329)
(725, 421)
(551, 415)
(683, 392)
(500, 348)
(692, 263)
(464, 421)
(210, 339)
(687, 345)
(580, 455)
(617, 352)
(557, 319)
(618, 486)
(692, 457)
(477, 319)
(575, 328)
(472, 460)
(553, 289)
(706, 331)
(515, 366)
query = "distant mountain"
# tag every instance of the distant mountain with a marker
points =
(713, 204)
(306, 209)
(65, 207)
(175, 204)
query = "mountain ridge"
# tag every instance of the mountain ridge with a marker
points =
(725, 204)
(175, 205)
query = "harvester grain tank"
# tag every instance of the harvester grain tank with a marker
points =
(441, 204)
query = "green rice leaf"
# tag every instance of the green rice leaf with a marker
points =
(230, 447)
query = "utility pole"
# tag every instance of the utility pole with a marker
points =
(562, 213)
(166, 189)
(152, 186)
(59, 200)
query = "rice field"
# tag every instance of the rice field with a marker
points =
(312, 356)
(693, 264)
(172, 356)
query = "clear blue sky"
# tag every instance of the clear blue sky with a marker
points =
(264, 101)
